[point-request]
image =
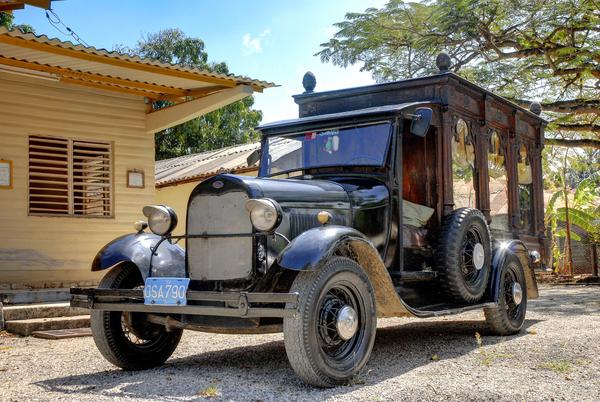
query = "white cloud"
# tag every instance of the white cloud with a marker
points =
(254, 44)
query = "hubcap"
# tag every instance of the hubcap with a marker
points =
(478, 256)
(517, 293)
(347, 322)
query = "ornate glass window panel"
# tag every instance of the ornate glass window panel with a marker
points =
(525, 189)
(463, 166)
(498, 184)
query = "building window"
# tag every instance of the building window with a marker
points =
(525, 189)
(463, 166)
(70, 177)
(498, 183)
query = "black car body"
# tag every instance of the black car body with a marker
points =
(341, 248)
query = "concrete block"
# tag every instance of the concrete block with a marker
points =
(34, 296)
(26, 327)
(46, 310)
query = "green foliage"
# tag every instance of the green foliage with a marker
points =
(6, 20)
(230, 125)
(523, 49)
(584, 212)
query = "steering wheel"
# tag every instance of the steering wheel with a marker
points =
(368, 157)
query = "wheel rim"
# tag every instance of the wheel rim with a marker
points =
(340, 322)
(473, 258)
(513, 295)
(137, 330)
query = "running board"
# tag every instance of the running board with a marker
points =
(441, 309)
(413, 276)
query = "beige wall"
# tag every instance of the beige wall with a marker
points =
(56, 251)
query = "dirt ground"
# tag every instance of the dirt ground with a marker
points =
(556, 357)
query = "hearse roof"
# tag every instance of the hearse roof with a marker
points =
(350, 116)
(442, 78)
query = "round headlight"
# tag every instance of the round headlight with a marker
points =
(161, 219)
(265, 214)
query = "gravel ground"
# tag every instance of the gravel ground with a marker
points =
(556, 357)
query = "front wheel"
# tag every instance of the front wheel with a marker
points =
(331, 338)
(128, 340)
(508, 316)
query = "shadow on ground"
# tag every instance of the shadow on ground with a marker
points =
(262, 371)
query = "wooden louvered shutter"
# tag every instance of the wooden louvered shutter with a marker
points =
(70, 177)
(92, 187)
(48, 176)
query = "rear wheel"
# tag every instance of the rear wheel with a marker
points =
(508, 317)
(331, 339)
(128, 340)
(464, 255)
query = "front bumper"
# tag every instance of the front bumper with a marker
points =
(223, 304)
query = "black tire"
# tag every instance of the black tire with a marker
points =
(508, 317)
(460, 280)
(316, 351)
(127, 340)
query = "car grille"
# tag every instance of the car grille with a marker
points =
(301, 222)
(219, 258)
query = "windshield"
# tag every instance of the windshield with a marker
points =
(347, 146)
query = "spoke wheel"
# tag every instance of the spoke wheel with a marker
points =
(471, 258)
(331, 338)
(125, 339)
(509, 315)
(463, 255)
(334, 343)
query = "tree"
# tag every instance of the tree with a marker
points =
(581, 209)
(229, 125)
(6, 20)
(522, 49)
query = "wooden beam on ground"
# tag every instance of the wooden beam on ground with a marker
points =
(173, 115)
(64, 72)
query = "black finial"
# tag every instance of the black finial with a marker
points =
(443, 62)
(309, 82)
(536, 108)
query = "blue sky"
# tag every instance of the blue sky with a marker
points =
(269, 40)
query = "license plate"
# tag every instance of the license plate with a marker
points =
(166, 291)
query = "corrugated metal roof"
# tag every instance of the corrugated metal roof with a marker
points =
(42, 51)
(196, 166)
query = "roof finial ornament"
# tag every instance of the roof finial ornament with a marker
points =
(309, 82)
(535, 108)
(443, 62)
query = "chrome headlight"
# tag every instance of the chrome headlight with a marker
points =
(161, 219)
(265, 214)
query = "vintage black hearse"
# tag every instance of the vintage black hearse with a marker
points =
(420, 197)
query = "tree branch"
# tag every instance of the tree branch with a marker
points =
(576, 106)
(561, 142)
(579, 127)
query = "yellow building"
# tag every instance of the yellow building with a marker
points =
(77, 149)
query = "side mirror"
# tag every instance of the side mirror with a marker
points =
(421, 120)
(253, 157)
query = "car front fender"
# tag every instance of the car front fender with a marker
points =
(311, 249)
(501, 251)
(168, 260)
